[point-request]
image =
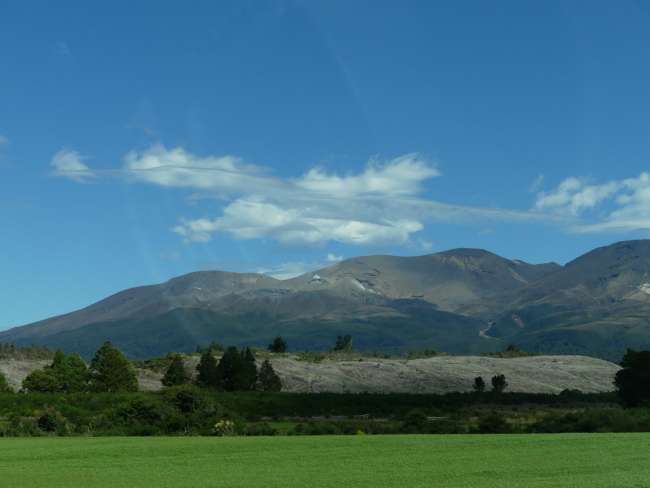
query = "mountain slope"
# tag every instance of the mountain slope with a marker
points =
(462, 300)
(598, 302)
(454, 281)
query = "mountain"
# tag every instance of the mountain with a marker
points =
(455, 281)
(459, 301)
(598, 303)
(387, 303)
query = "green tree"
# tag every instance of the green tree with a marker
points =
(343, 343)
(66, 374)
(247, 375)
(229, 370)
(499, 383)
(70, 372)
(216, 347)
(111, 371)
(41, 380)
(175, 374)
(479, 384)
(236, 370)
(267, 379)
(4, 385)
(633, 381)
(278, 345)
(207, 368)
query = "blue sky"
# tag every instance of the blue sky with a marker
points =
(143, 140)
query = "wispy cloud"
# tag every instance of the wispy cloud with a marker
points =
(614, 206)
(400, 176)
(4, 140)
(254, 219)
(68, 163)
(536, 184)
(292, 269)
(380, 204)
(574, 196)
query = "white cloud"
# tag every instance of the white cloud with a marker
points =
(574, 196)
(380, 204)
(400, 176)
(69, 164)
(312, 209)
(179, 168)
(424, 245)
(615, 206)
(4, 140)
(251, 219)
(289, 270)
(292, 269)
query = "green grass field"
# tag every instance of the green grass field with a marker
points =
(576, 460)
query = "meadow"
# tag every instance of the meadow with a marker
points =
(485, 461)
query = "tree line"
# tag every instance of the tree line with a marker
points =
(236, 370)
(110, 371)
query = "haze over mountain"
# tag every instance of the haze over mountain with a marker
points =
(458, 301)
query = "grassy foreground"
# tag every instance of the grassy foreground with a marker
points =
(573, 460)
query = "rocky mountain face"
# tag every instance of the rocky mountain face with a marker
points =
(598, 304)
(459, 301)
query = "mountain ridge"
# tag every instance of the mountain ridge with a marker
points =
(461, 300)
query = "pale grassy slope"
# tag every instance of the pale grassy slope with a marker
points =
(540, 374)
(536, 374)
(15, 370)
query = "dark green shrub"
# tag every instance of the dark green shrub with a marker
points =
(47, 422)
(493, 423)
(267, 379)
(257, 429)
(175, 374)
(208, 376)
(499, 383)
(4, 385)
(633, 381)
(111, 371)
(41, 380)
(278, 345)
(414, 422)
(343, 344)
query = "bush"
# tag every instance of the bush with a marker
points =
(343, 344)
(499, 383)
(236, 371)
(259, 429)
(633, 381)
(278, 345)
(175, 374)
(414, 422)
(493, 423)
(4, 385)
(41, 380)
(224, 427)
(52, 421)
(267, 379)
(110, 371)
